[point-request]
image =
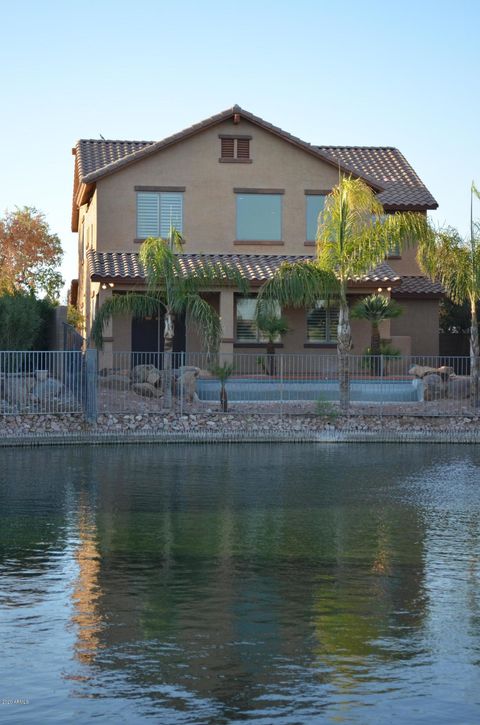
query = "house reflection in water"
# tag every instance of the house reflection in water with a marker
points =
(87, 618)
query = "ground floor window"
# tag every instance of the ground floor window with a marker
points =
(246, 329)
(322, 322)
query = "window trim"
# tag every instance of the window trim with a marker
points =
(259, 192)
(258, 343)
(328, 342)
(311, 193)
(158, 190)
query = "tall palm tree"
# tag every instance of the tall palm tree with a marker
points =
(272, 327)
(354, 235)
(169, 289)
(455, 263)
(375, 309)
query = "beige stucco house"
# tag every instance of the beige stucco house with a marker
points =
(248, 192)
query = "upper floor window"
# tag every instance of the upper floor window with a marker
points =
(158, 212)
(315, 204)
(259, 217)
(235, 148)
(322, 322)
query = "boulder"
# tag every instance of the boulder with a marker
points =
(434, 387)
(179, 372)
(419, 371)
(446, 372)
(187, 384)
(47, 390)
(458, 388)
(115, 381)
(16, 390)
(141, 373)
(146, 390)
(154, 377)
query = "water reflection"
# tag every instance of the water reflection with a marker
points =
(87, 592)
(208, 584)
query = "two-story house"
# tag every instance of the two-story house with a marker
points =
(245, 191)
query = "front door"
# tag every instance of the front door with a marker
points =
(147, 339)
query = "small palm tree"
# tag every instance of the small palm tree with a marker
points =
(223, 372)
(272, 327)
(169, 289)
(354, 235)
(375, 309)
(455, 263)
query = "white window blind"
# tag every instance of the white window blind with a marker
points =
(322, 323)
(157, 212)
(246, 328)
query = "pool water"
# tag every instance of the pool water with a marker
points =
(254, 390)
(233, 583)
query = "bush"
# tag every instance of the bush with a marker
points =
(24, 322)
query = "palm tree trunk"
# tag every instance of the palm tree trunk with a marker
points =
(168, 335)
(375, 349)
(223, 398)
(270, 357)
(474, 355)
(344, 345)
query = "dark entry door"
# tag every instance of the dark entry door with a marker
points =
(147, 338)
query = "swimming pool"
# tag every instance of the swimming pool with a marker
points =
(269, 390)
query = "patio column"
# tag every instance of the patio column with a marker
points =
(227, 314)
(105, 358)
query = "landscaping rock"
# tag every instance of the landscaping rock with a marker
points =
(140, 373)
(115, 381)
(419, 371)
(17, 390)
(187, 384)
(434, 387)
(147, 390)
(459, 388)
(47, 389)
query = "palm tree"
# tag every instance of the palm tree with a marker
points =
(169, 289)
(455, 263)
(273, 327)
(375, 309)
(354, 235)
(223, 372)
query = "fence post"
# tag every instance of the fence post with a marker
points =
(91, 384)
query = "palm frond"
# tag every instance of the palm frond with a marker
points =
(354, 234)
(375, 309)
(207, 319)
(299, 284)
(272, 326)
(137, 305)
(455, 263)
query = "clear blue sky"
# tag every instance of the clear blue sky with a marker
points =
(404, 74)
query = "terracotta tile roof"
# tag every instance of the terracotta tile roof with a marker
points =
(254, 267)
(418, 286)
(146, 148)
(95, 154)
(385, 169)
(403, 189)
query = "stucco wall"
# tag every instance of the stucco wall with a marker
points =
(419, 321)
(209, 199)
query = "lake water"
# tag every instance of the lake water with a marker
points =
(231, 583)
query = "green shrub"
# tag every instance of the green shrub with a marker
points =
(23, 322)
(326, 409)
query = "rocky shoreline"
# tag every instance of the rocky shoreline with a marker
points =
(232, 426)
